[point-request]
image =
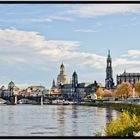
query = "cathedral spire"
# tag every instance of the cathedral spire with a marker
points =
(108, 53)
(53, 84)
(109, 73)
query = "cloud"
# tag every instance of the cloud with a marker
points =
(132, 53)
(124, 62)
(19, 46)
(85, 30)
(104, 9)
(66, 50)
(56, 17)
(30, 51)
(31, 47)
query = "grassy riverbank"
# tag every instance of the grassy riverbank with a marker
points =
(131, 108)
(127, 124)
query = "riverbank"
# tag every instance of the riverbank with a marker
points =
(132, 108)
(127, 124)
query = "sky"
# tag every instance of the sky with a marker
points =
(36, 38)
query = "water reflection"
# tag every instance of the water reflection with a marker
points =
(111, 114)
(53, 120)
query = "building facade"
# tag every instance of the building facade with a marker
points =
(128, 77)
(34, 91)
(10, 91)
(109, 84)
(78, 90)
(74, 89)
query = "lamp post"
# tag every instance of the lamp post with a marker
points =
(15, 95)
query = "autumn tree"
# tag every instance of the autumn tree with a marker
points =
(107, 93)
(124, 90)
(99, 92)
(137, 88)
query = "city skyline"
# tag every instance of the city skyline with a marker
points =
(36, 38)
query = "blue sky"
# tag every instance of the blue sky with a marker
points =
(36, 38)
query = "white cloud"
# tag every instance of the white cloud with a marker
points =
(132, 53)
(124, 62)
(85, 30)
(56, 17)
(30, 47)
(104, 9)
(34, 51)
(38, 53)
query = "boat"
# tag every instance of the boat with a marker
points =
(57, 102)
(60, 102)
(24, 101)
(65, 102)
(2, 101)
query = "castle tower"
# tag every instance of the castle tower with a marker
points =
(109, 84)
(62, 77)
(74, 81)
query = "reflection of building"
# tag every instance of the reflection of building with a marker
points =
(10, 91)
(109, 84)
(62, 77)
(128, 77)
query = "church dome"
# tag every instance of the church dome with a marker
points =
(62, 77)
(3, 88)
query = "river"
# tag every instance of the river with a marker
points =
(53, 120)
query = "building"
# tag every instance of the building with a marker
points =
(62, 77)
(77, 90)
(34, 91)
(74, 82)
(54, 89)
(74, 89)
(128, 77)
(10, 91)
(109, 84)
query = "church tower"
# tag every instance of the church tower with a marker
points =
(109, 84)
(62, 77)
(74, 81)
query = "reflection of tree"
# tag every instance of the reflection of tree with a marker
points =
(109, 114)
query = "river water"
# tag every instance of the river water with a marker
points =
(53, 120)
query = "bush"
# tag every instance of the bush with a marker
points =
(125, 125)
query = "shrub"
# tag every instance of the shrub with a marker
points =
(125, 125)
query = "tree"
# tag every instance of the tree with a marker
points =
(124, 90)
(125, 125)
(107, 93)
(137, 88)
(99, 92)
